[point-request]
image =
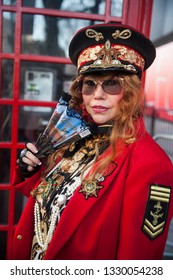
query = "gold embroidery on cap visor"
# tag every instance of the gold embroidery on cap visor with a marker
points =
(109, 56)
(156, 210)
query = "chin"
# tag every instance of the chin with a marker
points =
(100, 121)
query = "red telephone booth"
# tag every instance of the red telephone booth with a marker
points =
(34, 68)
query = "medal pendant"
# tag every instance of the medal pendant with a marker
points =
(90, 189)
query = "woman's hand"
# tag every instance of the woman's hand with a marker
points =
(30, 156)
(28, 161)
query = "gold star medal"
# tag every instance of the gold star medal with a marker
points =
(90, 189)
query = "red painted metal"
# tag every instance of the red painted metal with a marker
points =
(135, 12)
(138, 14)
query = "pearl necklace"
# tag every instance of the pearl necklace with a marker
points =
(55, 215)
(61, 200)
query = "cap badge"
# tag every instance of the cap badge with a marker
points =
(91, 33)
(107, 56)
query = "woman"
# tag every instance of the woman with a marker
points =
(107, 196)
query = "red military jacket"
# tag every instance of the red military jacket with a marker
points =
(128, 220)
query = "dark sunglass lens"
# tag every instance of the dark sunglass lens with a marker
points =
(88, 87)
(112, 86)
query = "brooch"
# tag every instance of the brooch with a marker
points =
(90, 189)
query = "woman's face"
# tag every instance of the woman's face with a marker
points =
(101, 96)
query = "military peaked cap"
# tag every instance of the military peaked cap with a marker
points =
(106, 47)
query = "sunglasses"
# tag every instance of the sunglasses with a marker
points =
(110, 86)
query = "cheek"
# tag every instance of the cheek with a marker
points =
(86, 100)
(115, 99)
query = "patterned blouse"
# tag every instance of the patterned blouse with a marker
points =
(54, 192)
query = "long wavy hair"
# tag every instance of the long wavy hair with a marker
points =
(130, 107)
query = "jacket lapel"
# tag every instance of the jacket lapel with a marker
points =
(76, 210)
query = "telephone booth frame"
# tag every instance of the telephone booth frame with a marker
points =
(136, 13)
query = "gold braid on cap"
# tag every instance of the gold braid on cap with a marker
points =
(125, 34)
(107, 55)
(91, 33)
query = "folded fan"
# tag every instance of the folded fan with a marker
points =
(64, 127)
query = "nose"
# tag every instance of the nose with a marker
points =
(99, 93)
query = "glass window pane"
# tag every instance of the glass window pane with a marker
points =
(44, 81)
(7, 79)
(5, 166)
(116, 8)
(81, 6)
(4, 206)
(5, 123)
(9, 2)
(3, 242)
(45, 35)
(20, 202)
(32, 121)
(8, 32)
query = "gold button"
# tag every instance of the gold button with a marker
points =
(19, 237)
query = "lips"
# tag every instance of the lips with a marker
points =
(99, 109)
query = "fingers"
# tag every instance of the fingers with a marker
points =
(31, 160)
(32, 148)
(28, 161)
(30, 156)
